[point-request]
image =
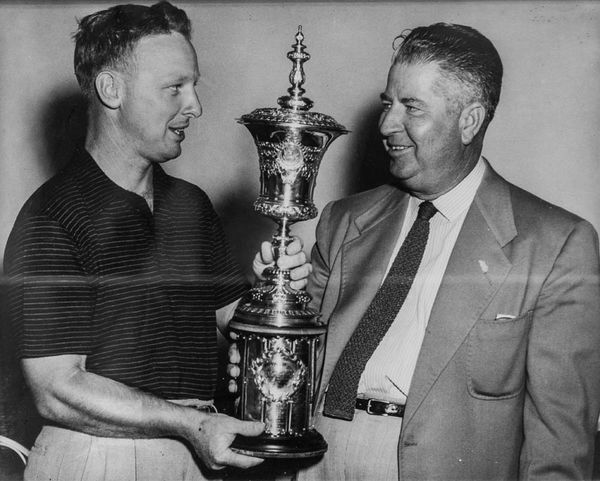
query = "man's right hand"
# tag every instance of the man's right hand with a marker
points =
(66, 393)
(213, 436)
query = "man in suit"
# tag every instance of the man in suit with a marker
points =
(489, 366)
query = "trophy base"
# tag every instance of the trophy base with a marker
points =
(310, 444)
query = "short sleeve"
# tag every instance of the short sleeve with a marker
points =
(50, 296)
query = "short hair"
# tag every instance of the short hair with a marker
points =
(108, 37)
(460, 52)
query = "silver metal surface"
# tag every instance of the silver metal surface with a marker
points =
(278, 332)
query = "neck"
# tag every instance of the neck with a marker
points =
(114, 158)
(469, 161)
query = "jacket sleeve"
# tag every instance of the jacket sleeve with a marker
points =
(317, 281)
(562, 398)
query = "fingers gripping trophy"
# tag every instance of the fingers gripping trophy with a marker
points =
(277, 332)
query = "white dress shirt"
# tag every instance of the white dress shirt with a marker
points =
(389, 371)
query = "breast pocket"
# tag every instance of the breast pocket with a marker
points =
(497, 356)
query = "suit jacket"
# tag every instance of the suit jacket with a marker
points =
(492, 397)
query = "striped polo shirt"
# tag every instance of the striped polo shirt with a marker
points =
(93, 271)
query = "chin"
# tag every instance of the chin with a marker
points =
(170, 155)
(409, 181)
(400, 171)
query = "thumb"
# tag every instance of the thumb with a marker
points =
(266, 252)
(250, 428)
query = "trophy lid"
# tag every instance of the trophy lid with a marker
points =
(294, 108)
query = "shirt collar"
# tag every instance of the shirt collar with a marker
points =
(101, 191)
(454, 202)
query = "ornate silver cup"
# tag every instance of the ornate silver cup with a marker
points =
(277, 332)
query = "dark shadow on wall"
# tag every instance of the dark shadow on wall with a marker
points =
(370, 163)
(64, 125)
(245, 229)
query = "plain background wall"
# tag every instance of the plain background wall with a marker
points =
(544, 137)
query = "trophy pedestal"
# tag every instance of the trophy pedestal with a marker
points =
(308, 445)
(279, 352)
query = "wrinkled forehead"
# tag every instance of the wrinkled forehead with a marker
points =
(426, 83)
(413, 76)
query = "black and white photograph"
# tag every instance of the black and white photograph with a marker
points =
(300, 240)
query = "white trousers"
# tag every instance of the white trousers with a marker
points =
(364, 449)
(64, 455)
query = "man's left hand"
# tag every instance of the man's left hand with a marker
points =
(294, 260)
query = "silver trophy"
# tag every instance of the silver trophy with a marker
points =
(277, 332)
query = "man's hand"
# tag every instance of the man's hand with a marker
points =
(294, 260)
(213, 437)
(66, 393)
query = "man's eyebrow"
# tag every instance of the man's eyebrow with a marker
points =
(411, 100)
(181, 78)
(384, 97)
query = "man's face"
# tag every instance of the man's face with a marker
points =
(420, 129)
(159, 97)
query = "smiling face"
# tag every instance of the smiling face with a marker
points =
(159, 97)
(421, 130)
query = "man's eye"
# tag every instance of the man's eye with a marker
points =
(175, 88)
(386, 106)
(412, 110)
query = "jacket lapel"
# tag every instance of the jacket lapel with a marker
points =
(365, 255)
(476, 269)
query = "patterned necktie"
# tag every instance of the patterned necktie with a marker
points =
(381, 313)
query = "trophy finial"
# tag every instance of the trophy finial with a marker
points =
(298, 56)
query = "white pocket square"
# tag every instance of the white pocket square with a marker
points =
(504, 317)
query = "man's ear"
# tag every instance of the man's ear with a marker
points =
(470, 122)
(109, 89)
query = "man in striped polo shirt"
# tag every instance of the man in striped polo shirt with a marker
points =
(119, 272)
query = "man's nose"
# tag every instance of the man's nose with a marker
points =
(193, 106)
(391, 121)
